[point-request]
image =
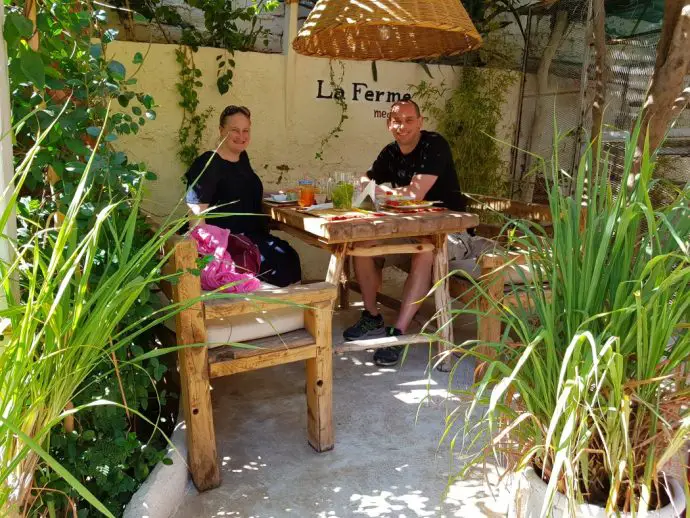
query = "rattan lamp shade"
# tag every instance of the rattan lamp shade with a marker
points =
(393, 30)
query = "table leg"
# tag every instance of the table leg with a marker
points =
(318, 322)
(336, 264)
(344, 290)
(442, 300)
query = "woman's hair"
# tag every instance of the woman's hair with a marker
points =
(231, 110)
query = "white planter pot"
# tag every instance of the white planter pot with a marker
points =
(529, 492)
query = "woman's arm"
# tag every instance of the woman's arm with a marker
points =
(197, 209)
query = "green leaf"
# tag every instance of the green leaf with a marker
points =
(117, 70)
(147, 101)
(77, 147)
(123, 100)
(167, 461)
(150, 115)
(24, 26)
(136, 110)
(94, 131)
(32, 66)
(150, 175)
(223, 85)
(15, 29)
(138, 58)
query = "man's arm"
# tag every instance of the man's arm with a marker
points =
(419, 186)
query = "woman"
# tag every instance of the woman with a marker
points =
(225, 180)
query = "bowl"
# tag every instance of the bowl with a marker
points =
(279, 197)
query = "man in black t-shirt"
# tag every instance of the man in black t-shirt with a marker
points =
(418, 164)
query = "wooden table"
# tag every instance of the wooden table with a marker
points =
(341, 238)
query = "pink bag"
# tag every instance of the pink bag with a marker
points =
(244, 253)
(222, 270)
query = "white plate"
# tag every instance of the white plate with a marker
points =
(282, 202)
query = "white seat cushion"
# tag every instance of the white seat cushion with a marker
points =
(243, 328)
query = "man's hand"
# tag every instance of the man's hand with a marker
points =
(418, 188)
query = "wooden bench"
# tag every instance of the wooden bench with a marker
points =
(493, 269)
(199, 364)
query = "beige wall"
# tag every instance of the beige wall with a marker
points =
(288, 120)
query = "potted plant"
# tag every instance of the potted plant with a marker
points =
(585, 398)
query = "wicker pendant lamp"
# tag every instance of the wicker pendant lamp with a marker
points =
(393, 30)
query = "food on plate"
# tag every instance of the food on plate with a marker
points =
(407, 203)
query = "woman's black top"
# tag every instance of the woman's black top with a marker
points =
(230, 187)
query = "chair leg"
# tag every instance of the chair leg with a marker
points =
(319, 374)
(194, 376)
(201, 436)
(489, 329)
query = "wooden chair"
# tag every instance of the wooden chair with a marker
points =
(493, 272)
(199, 364)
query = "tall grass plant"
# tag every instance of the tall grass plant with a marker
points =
(63, 319)
(588, 384)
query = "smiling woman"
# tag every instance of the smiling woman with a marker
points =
(224, 181)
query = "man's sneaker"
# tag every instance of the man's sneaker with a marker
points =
(389, 355)
(368, 326)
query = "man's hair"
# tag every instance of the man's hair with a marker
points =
(406, 101)
(231, 110)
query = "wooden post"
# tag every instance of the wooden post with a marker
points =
(489, 327)
(194, 377)
(318, 320)
(442, 299)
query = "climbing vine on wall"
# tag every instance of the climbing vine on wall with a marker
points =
(193, 124)
(227, 27)
(468, 117)
(336, 82)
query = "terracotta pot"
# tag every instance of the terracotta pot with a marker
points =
(529, 493)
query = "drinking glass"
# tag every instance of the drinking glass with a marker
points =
(306, 193)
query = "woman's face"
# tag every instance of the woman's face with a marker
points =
(236, 133)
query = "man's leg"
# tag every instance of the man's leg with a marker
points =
(369, 277)
(416, 286)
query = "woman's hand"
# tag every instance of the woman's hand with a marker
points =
(197, 209)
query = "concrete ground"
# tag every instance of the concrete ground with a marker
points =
(386, 463)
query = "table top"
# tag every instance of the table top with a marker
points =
(390, 225)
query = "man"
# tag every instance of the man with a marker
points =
(418, 164)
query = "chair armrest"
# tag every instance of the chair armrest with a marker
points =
(271, 299)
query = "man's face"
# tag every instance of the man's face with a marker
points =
(405, 124)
